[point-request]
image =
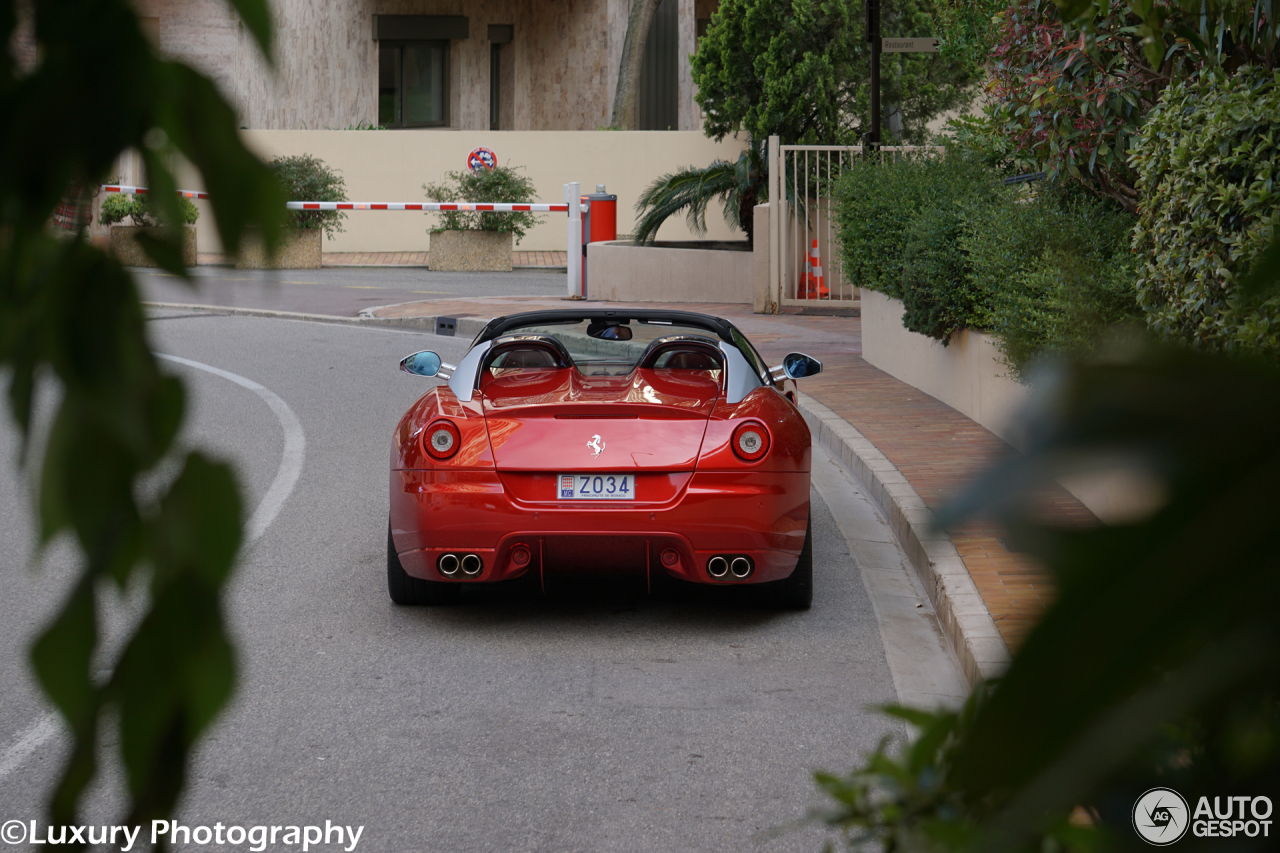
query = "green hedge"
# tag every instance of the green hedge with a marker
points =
(1207, 166)
(1046, 271)
(877, 204)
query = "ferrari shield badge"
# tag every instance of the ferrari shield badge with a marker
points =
(596, 446)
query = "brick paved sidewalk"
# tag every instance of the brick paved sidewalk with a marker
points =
(401, 259)
(935, 447)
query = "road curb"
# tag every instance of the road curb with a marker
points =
(964, 618)
(466, 326)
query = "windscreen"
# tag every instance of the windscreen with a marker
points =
(598, 350)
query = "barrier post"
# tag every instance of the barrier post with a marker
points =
(575, 239)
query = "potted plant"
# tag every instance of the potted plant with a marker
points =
(147, 223)
(473, 241)
(304, 178)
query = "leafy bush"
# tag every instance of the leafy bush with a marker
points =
(1063, 272)
(938, 294)
(501, 184)
(138, 208)
(877, 203)
(980, 137)
(307, 178)
(1207, 165)
(1045, 271)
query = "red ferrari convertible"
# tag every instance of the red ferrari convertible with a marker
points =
(606, 443)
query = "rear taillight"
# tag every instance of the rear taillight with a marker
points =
(750, 441)
(442, 440)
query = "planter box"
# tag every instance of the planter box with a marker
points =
(124, 245)
(620, 271)
(970, 377)
(301, 251)
(968, 374)
(470, 251)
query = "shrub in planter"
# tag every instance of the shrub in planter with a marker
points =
(1206, 165)
(140, 209)
(148, 238)
(474, 241)
(304, 178)
(500, 184)
(307, 178)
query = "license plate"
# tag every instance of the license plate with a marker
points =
(595, 487)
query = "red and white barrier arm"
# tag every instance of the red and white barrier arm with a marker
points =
(495, 207)
(574, 205)
(119, 188)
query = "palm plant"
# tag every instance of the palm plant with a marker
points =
(739, 186)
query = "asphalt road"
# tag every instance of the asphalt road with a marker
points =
(599, 722)
(340, 292)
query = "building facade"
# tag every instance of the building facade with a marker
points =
(437, 64)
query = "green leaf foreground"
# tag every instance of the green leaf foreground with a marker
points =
(1159, 661)
(71, 319)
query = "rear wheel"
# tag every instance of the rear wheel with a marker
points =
(795, 592)
(406, 589)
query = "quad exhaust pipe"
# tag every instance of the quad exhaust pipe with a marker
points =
(469, 565)
(722, 565)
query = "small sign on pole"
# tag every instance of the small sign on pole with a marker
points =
(922, 45)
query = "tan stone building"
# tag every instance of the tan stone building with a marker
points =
(438, 64)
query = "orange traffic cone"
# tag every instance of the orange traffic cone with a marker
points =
(814, 287)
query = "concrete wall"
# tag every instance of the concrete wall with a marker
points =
(563, 61)
(390, 166)
(621, 272)
(968, 374)
(970, 377)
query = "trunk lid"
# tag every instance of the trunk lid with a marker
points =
(560, 421)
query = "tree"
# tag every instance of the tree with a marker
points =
(736, 185)
(799, 69)
(626, 98)
(69, 313)
(1072, 82)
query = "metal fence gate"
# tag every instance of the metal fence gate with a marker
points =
(804, 245)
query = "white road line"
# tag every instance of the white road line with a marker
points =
(28, 742)
(295, 444)
(269, 507)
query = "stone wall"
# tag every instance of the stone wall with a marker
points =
(563, 60)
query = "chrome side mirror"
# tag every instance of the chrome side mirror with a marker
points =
(797, 365)
(421, 363)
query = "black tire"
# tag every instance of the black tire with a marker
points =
(406, 589)
(796, 592)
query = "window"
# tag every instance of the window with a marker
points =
(413, 83)
(495, 89)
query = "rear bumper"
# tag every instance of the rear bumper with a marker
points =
(760, 516)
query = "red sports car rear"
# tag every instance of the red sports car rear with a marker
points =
(602, 445)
